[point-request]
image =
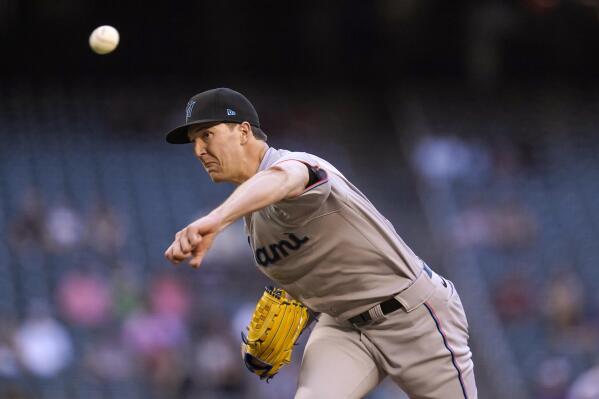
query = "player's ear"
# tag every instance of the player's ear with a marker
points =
(246, 132)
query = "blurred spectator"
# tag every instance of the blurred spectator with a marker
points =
(84, 299)
(514, 226)
(511, 157)
(126, 289)
(586, 386)
(506, 226)
(169, 297)
(64, 228)
(159, 342)
(9, 367)
(571, 331)
(217, 364)
(43, 345)
(472, 227)
(108, 360)
(10, 391)
(439, 158)
(168, 373)
(564, 304)
(105, 231)
(148, 333)
(552, 378)
(512, 297)
(28, 227)
(8, 362)
(159, 336)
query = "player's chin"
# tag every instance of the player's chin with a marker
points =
(215, 176)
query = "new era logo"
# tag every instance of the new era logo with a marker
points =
(230, 112)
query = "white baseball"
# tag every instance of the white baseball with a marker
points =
(104, 39)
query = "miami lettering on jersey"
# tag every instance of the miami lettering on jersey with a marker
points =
(273, 253)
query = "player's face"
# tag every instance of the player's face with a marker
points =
(220, 151)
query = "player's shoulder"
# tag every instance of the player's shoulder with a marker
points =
(274, 156)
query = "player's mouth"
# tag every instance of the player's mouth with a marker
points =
(207, 161)
(210, 167)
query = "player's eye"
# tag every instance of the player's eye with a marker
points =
(206, 136)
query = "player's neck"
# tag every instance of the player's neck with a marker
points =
(254, 157)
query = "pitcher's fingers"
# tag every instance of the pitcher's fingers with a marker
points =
(186, 247)
(196, 259)
(178, 254)
(169, 254)
(194, 238)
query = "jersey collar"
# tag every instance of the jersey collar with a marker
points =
(267, 159)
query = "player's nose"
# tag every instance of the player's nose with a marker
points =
(199, 148)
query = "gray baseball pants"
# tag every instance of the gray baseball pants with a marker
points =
(423, 349)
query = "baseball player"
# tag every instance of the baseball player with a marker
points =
(383, 311)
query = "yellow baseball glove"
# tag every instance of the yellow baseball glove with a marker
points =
(276, 325)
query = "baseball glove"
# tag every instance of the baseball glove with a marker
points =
(276, 325)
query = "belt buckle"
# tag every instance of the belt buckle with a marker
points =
(362, 320)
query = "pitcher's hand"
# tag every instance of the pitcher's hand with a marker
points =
(194, 240)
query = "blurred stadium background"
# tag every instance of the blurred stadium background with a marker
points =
(470, 124)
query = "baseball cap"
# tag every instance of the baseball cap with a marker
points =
(216, 106)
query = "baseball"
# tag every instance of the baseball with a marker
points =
(104, 39)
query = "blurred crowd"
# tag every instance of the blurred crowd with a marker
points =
(105, 323)
(550, 314)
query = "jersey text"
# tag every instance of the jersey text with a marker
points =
(274, 252)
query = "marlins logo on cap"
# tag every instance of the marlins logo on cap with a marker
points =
(189, 109)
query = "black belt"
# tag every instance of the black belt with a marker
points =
(388, 306)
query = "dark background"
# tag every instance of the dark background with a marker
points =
(354, 43)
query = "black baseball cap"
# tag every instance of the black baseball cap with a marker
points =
(216, 106)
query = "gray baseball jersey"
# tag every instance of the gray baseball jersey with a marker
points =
(329, 247)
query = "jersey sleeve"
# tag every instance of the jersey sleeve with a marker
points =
(300, 209)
